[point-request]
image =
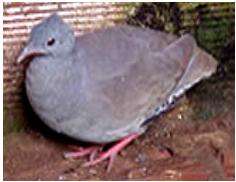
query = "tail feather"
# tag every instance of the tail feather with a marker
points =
(200, 66)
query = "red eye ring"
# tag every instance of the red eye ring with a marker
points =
(51, 41)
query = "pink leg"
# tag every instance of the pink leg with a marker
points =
(109, 154)
(112, 152)
(92, 152)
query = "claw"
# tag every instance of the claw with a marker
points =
(81, 152)
(112, 152)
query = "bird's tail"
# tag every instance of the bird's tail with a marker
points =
(200, 66)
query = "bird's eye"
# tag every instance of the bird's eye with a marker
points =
(51, 41)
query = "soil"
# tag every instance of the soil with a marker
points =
(199, 148)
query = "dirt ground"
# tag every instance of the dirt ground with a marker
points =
(200, 147)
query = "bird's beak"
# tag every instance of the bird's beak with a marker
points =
(27, 52)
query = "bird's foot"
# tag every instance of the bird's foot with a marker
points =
(109, 154)
(112, 152)
(80, 152)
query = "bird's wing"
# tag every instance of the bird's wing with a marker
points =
(111, 51)
(130, 72)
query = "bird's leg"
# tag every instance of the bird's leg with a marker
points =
(94, 150)
(112, 152)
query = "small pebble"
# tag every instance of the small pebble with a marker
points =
(179, 116)
(173, 174)
(130, 175)
(141, 158)
(143, 170)
(92, 171)
(61, 178)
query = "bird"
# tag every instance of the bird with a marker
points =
(103, 86)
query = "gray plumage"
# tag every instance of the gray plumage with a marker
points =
(104, 85)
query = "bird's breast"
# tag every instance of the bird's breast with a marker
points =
(52, 92)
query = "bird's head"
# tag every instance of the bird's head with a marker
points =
(50, 37)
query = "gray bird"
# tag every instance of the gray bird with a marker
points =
(101, 87)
